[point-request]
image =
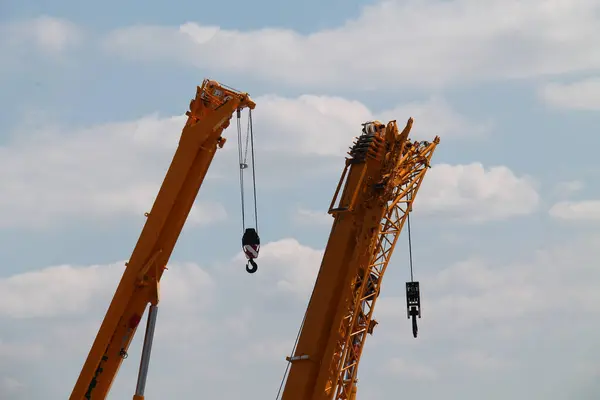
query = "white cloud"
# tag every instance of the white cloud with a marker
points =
(314, 125)
(477, 360)
(482, 294)
(54, 173)
(473, 193)
(49, 34)
(287, 267)
(303, 216)
(412, 370)
(582, 95)
(492, 320)
(436, 117)
(26, 351)
(109, 170)
(465, 193)
(569, 187)
(55, 290)
(66, 304)
(269, 349)
(425, 43)
(30, 44)
(53, 34)
(587, 210)
(9, 386)
(326, 125)
(480, 316)
(74, 290)
(485, 311)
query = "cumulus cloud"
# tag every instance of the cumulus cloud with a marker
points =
(398, 367)
(433, 42)
(490, 318)
(478, 293)
(326, 125)
(288, 267)
(466, 193)
(25, 44)
(485, 314)
(303, 216)
(48, 34)
(9, 387)
(586, 210)
(68, 302)
(115, 169)
(567, 188)
(478, 359)
(500, 325)
(473, 193)
(436, 117)
(268, 349)
(75, 290)
(103, 171)
(581, 95)
(65, 305)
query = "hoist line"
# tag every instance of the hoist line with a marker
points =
(241, 166)
(410, 256)
(243, 158)
(251, 134)
(247, 140)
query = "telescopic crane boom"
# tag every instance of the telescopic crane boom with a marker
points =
(383, 174)
(210, 113)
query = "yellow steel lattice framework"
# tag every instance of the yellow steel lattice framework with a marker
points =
(399, 194)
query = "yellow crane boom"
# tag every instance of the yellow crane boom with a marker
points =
(210, 113)
(382, 176)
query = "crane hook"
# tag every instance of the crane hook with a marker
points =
(413, 304)
(415, 328)
(252, 269)
(251, 246)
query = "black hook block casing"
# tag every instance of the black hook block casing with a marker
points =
(250, 237)
(413, 299)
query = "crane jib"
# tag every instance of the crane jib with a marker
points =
(370, 206)
(209, 114)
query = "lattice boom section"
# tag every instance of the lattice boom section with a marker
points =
(358, 322)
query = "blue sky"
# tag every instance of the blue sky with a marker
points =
(505, 226)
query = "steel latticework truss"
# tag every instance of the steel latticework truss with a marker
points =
(401, 191)
(380, 181)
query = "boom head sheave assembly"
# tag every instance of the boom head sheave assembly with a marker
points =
(372, 201)
(210, 97)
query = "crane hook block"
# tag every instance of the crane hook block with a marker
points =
(413, 304)
(251, 247)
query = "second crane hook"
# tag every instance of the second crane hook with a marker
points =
(413, 304)
(251, 247)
